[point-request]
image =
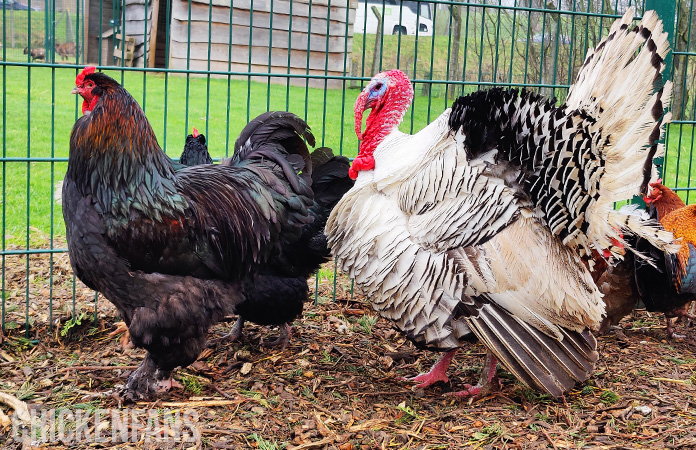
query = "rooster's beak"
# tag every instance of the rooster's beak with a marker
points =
(75, 90)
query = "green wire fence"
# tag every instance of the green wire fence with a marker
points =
(216, 64)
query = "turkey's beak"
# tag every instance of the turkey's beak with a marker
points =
(75, 90)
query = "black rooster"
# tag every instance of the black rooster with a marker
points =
(172, 247)
(276, 294)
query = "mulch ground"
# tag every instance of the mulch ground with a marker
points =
(338, 383)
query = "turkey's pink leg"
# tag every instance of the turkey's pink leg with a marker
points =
(437, 373)
(488, 381)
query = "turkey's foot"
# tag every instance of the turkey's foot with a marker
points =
(146, 382)
(436, 373)
(488, 381)
(283, 339)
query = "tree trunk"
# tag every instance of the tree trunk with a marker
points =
(453, 75)
(378, 39)
(681, 91)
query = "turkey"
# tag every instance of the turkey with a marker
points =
(475, 226)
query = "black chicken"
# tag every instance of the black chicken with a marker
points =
(276, 294)
(195, 151)
(172, 247)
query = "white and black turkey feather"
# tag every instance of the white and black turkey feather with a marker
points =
(477, 223)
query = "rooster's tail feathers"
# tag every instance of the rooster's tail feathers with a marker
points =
(330, 178)
(278, 137)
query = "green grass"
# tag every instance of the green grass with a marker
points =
(33, 128)
(32, 131)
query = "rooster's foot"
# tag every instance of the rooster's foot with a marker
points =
(124, 340)
(692, 314)
(283, 339)
(146, 382)
(234, 335)
(671, 332)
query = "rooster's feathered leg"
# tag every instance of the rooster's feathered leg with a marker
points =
(147, 381)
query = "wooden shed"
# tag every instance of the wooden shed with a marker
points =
(287, 36)
(133, 18)
(297, 37)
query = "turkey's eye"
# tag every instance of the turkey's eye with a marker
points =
(378, 89)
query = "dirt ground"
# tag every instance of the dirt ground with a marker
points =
(338, 384)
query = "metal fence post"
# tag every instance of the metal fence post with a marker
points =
(666, 10)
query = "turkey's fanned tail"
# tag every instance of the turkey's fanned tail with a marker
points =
(620, 86)
(580, 158)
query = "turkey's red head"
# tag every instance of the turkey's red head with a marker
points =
(85, 86)
(388, 96)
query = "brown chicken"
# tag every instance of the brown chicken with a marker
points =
(664, 282)
(672, 291)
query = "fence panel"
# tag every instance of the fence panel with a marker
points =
(216, 64)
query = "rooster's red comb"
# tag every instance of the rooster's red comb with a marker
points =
(656, 183)
(195, 132)
(80, 79)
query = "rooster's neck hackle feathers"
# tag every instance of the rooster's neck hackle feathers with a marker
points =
(116, 158)
(667, 200)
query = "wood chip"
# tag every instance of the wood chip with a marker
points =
(373, 424)
(321, 443)
(20, 407)
(246, 368)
